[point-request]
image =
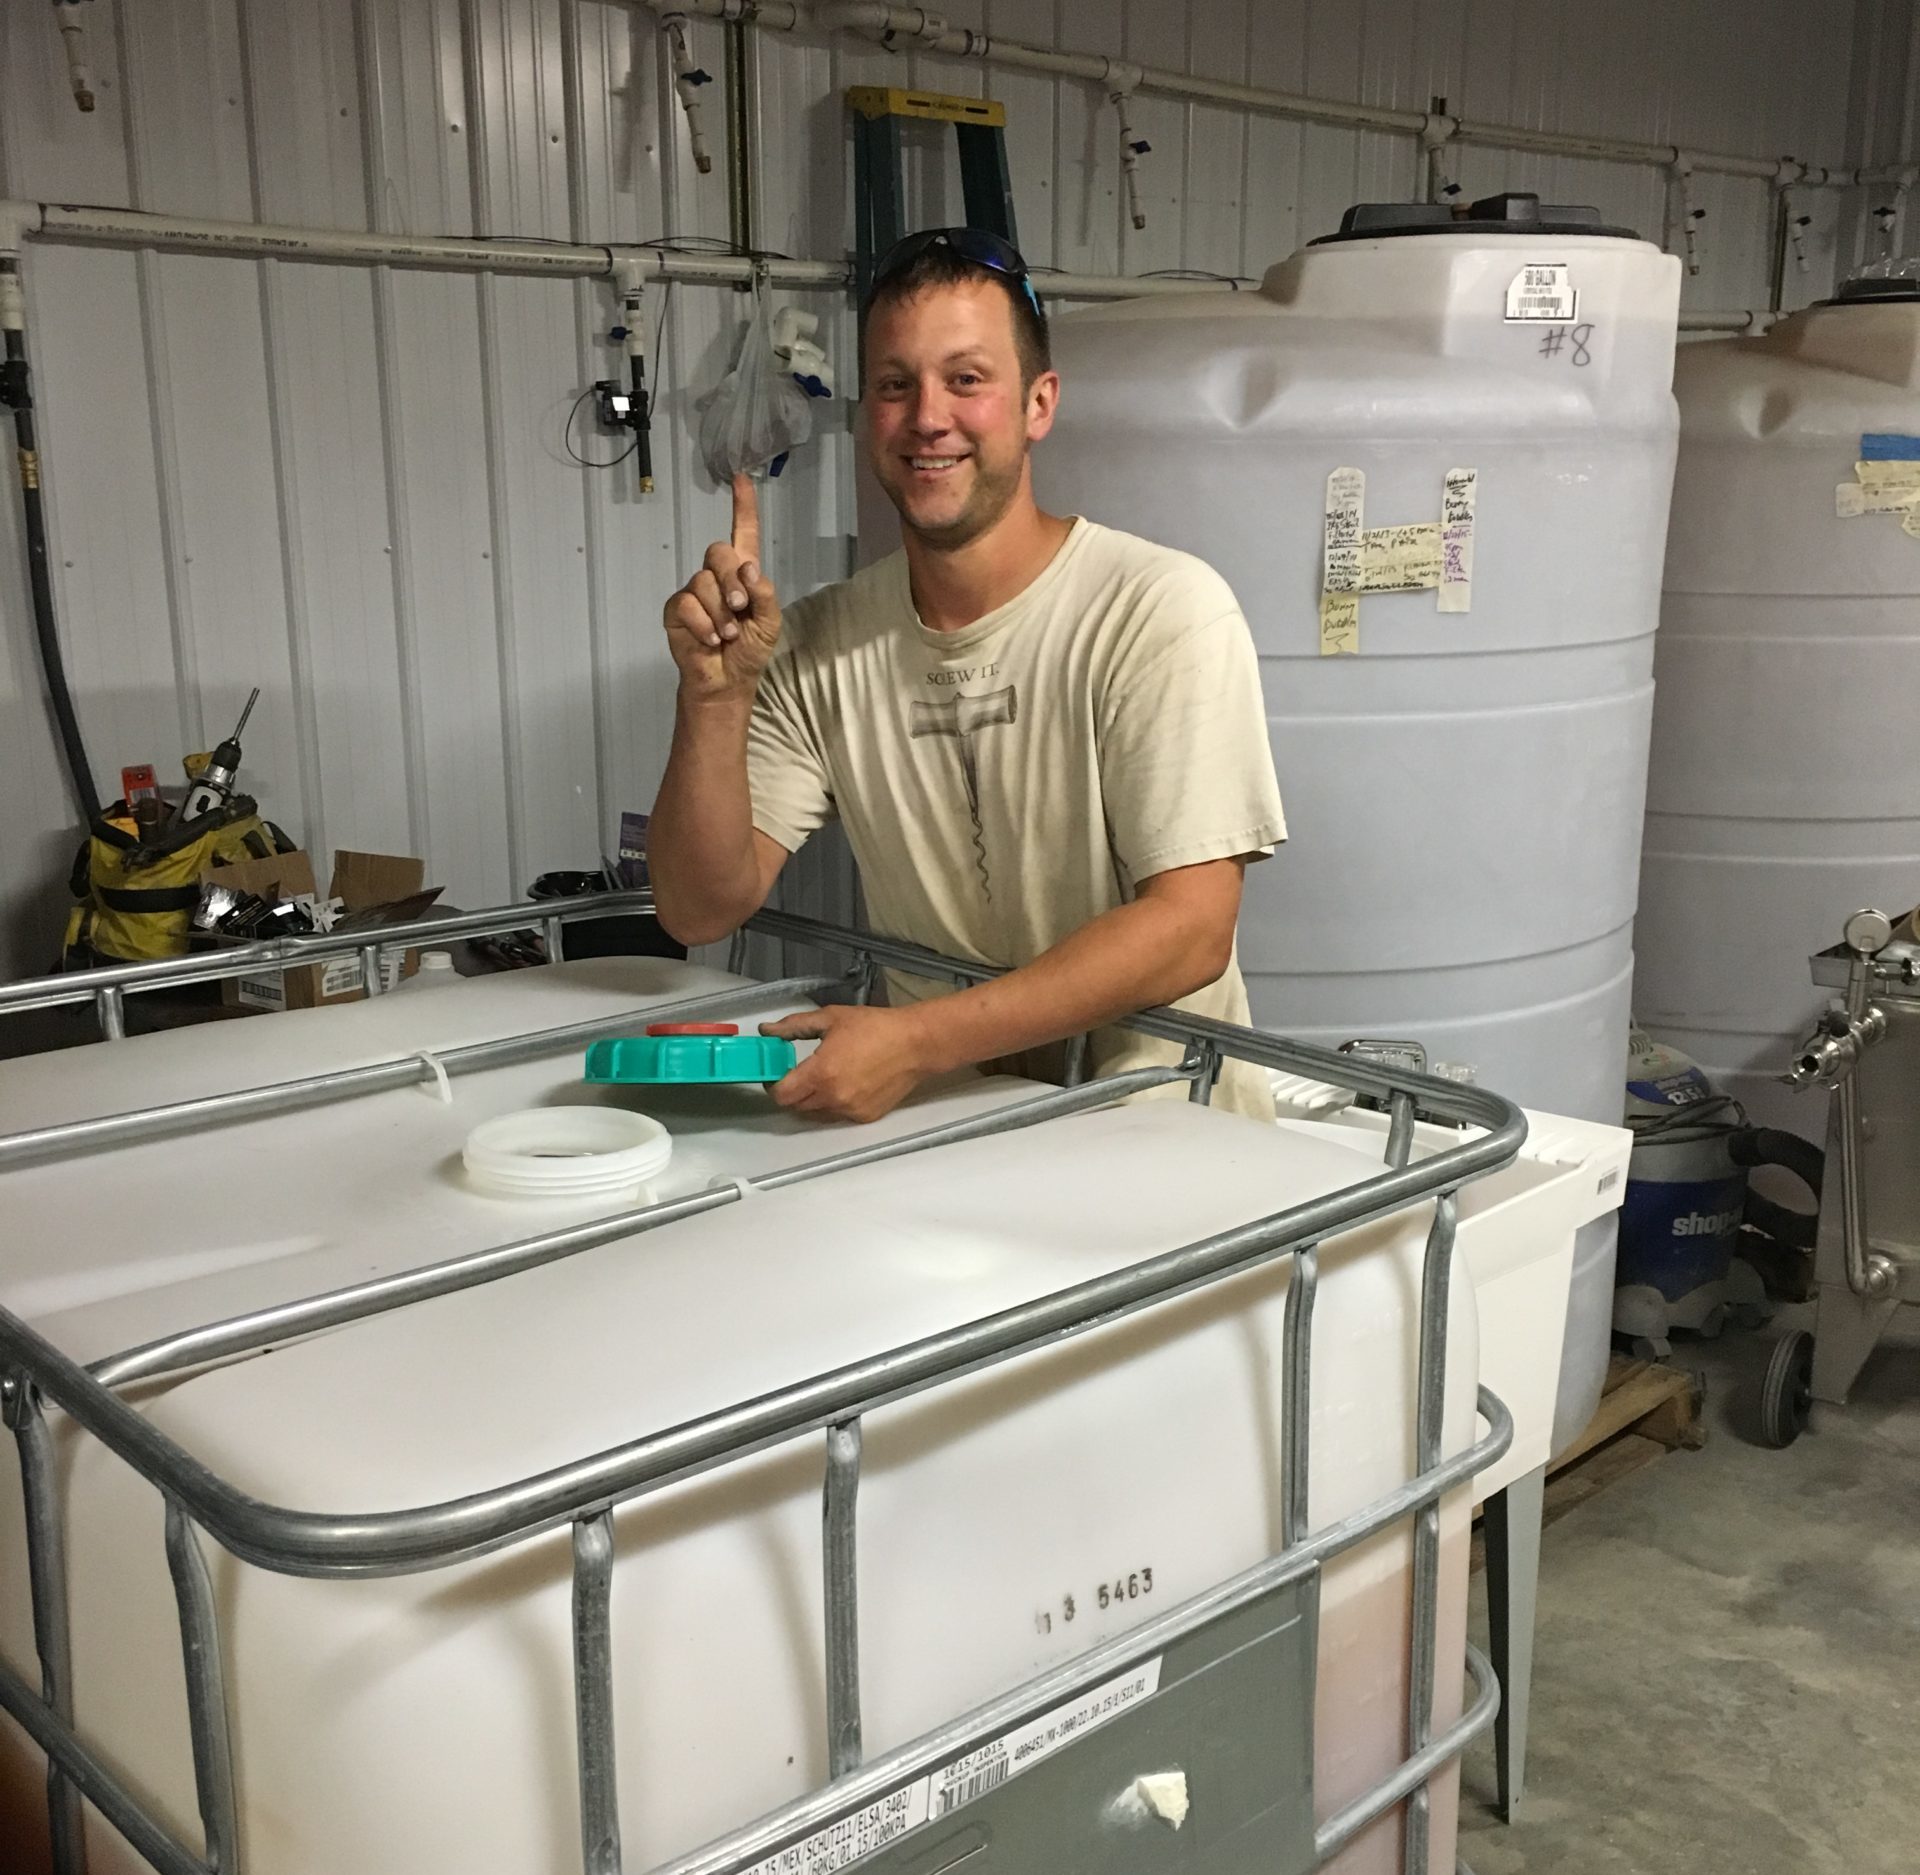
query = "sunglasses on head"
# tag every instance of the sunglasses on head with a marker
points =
(974, 244)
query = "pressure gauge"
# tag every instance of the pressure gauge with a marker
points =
(1867, 932)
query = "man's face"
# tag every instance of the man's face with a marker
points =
(948, 421)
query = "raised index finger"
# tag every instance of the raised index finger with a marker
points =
(746, 518)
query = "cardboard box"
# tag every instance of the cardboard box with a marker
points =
(376, 888)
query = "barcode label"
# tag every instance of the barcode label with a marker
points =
(853, 1837)
(341, 975)
(977, 1784)
(992, 1764)
(981, 1772)
(1544, 291)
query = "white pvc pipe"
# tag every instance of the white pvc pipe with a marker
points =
(1722, 321)
(1909, 103)
(127, 227)
(73, 36)
(925, 29)
(686, 81)
(130, 227)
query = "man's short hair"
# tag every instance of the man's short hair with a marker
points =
(940, 264)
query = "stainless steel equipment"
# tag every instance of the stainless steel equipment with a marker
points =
(1867, 1258)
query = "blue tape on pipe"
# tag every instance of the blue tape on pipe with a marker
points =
(1889, 446)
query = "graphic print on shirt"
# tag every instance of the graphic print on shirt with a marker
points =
(963, 719)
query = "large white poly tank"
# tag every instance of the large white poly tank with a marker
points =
(1464, 796)
(423, 1722)
(1785, 784)
(988, 1511)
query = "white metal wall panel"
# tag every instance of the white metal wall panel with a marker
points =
(530, 374)
(351, 486)
(413, 87)
(1209, 213)
(1277, 56)
(34, 847)
(105, 544)
(301, 72)
(1088, 204)
(629, 540)
(212, 394)
(1330, 158)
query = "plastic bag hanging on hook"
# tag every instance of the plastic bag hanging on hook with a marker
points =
(757, 412)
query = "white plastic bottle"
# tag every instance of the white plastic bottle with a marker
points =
(436, 968)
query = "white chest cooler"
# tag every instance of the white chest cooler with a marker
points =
(1007, 1521)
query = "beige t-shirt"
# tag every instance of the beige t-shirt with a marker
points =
(1004, 784)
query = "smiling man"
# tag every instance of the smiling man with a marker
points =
(1045, 738)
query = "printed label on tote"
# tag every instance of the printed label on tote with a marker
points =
(988, 1766)
(884, 1820)
(964, 1781)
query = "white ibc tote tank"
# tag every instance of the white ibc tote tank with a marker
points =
(1464, 795)
(1785, 786)
(422, 1722)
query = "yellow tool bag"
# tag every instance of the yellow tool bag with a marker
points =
(137, 898)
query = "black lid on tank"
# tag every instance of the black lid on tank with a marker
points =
(1876, 292)
(1512, 213)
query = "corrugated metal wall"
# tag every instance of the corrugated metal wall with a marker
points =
(350, 486)
(1883, 128)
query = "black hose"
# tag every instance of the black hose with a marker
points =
(1770, 1145)
(16, 390)
(642, 427)
(1721, 1116)
(1717, 1115)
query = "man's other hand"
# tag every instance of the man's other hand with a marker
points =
(868, 1061)
(723, 624)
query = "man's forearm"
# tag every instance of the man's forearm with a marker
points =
(700, 849)
(1134, 957)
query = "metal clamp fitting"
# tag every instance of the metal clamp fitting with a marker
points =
(923, 25)
(17, 221)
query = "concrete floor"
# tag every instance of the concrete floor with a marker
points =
(1727, 1678)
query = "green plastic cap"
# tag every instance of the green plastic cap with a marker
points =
(689, 1059)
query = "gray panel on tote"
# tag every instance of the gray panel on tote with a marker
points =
(1234, 1713)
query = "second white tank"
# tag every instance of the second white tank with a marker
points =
(1785, 789)
(1464, 792)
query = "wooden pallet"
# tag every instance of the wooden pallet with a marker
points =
(1646, 1410)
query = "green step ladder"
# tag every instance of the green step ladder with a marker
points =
(879, 183)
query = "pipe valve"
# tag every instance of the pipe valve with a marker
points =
(66, 15)
(1833, 1050)
(1132, 148)
(687, 80)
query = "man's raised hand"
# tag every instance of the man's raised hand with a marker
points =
(723, 624)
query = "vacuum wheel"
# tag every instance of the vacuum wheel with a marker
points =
(1786, 1395)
